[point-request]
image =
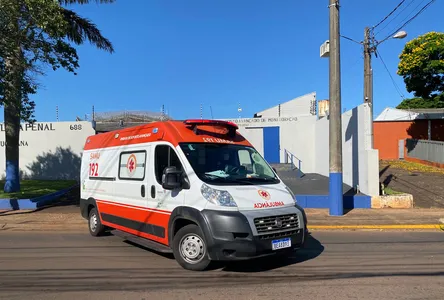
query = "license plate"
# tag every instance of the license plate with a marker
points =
(280, 244)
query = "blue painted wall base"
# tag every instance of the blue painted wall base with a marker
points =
(336, 195)
(323, 201)
(34, 203)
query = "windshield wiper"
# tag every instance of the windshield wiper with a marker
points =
(228, 179)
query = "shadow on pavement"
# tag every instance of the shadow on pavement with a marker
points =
(313, 248)
(67, 203)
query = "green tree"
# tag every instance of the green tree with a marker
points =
(36, 34)
(412, 103)
(422, 65)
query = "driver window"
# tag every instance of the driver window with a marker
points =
(165, 156)
(245, 160)
(259, 166)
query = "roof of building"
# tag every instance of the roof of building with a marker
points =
(394, 114)
(428, 110)
(110, 126)
(302, 107)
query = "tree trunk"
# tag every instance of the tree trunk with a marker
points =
(12, 84)
(12, 112)
(12, 154)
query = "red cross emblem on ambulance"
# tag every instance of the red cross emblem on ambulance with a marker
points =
(264, 194)
(131, 164)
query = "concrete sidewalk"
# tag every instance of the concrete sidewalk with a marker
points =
(377, 219)
(69, 219)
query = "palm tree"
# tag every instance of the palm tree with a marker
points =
(22, 35)
(81, 29)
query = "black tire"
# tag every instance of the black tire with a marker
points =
(197, 246)
(94, 225)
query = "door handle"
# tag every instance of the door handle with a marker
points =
(153, 191)
(142, 191)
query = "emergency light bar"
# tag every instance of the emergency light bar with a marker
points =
(232, 127)
(211, 122)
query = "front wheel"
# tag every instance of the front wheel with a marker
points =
(190, 249)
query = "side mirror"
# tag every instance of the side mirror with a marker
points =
(171, 178)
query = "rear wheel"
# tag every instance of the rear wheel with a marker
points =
(190, 248)
(95, 226)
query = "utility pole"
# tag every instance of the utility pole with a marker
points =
(335, 121)
(368, 77)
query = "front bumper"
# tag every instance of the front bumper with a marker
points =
(234, 235)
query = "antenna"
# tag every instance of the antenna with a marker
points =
(162, 116)
(201, 112)
(211, 111)
(57, 113)
(239, 110)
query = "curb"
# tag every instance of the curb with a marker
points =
(391, 226)
(33, 203)
(403, 200)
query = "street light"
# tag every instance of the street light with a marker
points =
(400, 35)
(370, 45)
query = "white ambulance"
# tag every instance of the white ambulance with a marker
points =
(194, 188)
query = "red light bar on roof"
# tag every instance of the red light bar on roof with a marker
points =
(211, 122)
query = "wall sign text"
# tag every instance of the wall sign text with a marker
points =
(257, 121)
(21, 144)
(33, 127)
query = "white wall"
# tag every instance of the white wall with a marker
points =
(49, 150)
(254, 135)
(297, 135)
(360, 163)
(300, 106)
(308, 139)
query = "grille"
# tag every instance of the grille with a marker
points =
(278, 235)
(267, 225)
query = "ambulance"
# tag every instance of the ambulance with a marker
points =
(195, 188)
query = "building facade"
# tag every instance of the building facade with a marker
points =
(393, 126)
(294, 131)
(49, 150)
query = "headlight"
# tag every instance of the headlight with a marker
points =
(291, 193)
(217, 197)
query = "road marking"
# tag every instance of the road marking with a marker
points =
(397, 226)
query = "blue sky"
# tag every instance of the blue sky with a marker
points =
(258, 53)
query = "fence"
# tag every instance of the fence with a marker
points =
(292, 157)
(427, 150)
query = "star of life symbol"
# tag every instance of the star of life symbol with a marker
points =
(131, 165)
(264, 194)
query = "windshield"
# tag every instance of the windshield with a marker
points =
(228, 164)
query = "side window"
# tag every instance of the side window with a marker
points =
(132, 165)
(165, 156)
(245, 159)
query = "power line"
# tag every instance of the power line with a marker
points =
(409, 20)
(397, 15)
(350, 39)
(386, 17)
(390, 74)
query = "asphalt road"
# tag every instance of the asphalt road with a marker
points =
(336, 265)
